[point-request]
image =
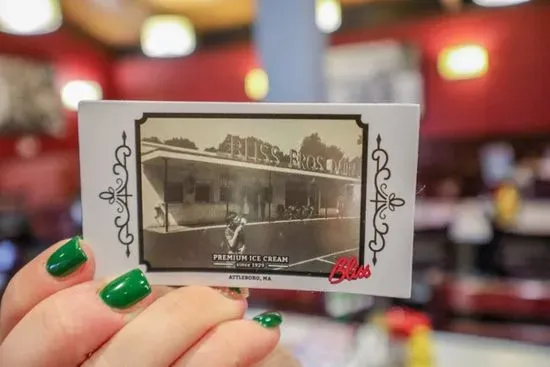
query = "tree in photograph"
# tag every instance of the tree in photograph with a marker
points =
(313, 145)
(355, 167)
(284, 158)
(181, 143)
(152, 139)
(334, 153)
(223, 147)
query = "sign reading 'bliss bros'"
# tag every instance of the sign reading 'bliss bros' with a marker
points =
(252, 150)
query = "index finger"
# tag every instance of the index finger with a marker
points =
(61, 266)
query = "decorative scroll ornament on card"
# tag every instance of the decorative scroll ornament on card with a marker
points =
(118, 195)
(383, 201)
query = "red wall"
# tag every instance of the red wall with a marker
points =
(73, 57)
(52, 177)
(211, 75)
(510, 98)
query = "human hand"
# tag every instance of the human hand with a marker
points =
(280, 357)
(54, 314)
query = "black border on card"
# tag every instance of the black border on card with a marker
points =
(363, 205)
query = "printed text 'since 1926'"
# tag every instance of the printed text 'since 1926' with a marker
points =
(251, 194)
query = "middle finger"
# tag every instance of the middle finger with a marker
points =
(169, 327)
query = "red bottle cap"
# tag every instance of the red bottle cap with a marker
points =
(402, 321)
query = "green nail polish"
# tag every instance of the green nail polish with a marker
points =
(126, 290)
(269, 319)
(66, 259)
(236, 290)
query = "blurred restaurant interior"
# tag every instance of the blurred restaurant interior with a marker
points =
(479, 69)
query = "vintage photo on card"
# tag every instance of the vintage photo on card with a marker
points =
(289, 196)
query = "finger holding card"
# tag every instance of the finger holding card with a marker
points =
(289, 196)
(220, 347)
(64, 328)
(63, 265)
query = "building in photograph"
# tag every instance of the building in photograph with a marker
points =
(202, 188)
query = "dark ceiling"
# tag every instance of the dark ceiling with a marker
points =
(116, 24)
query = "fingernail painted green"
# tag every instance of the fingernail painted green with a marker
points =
(126, 290)
(236, 290)
(269, 319)
(66, 259)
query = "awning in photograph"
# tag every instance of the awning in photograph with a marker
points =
(154, 153)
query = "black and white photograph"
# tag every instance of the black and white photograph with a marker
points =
(266, 194)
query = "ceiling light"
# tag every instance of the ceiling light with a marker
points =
(494, 3)
(76, 91)
(168, 36)
(463, 62)
(256, 84)
(30, 17)
(27, 146)
(328, 15)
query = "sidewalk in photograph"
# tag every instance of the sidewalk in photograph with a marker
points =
(312, 245)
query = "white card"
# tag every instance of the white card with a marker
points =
(285, 196)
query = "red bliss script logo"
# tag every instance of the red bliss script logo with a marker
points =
(348, 268)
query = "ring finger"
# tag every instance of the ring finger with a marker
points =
(235, 343)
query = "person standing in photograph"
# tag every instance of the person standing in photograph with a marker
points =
(244, 204)
(159, 213)
(253, 200)
(262, 203)
(340, 206)
(234, 240)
